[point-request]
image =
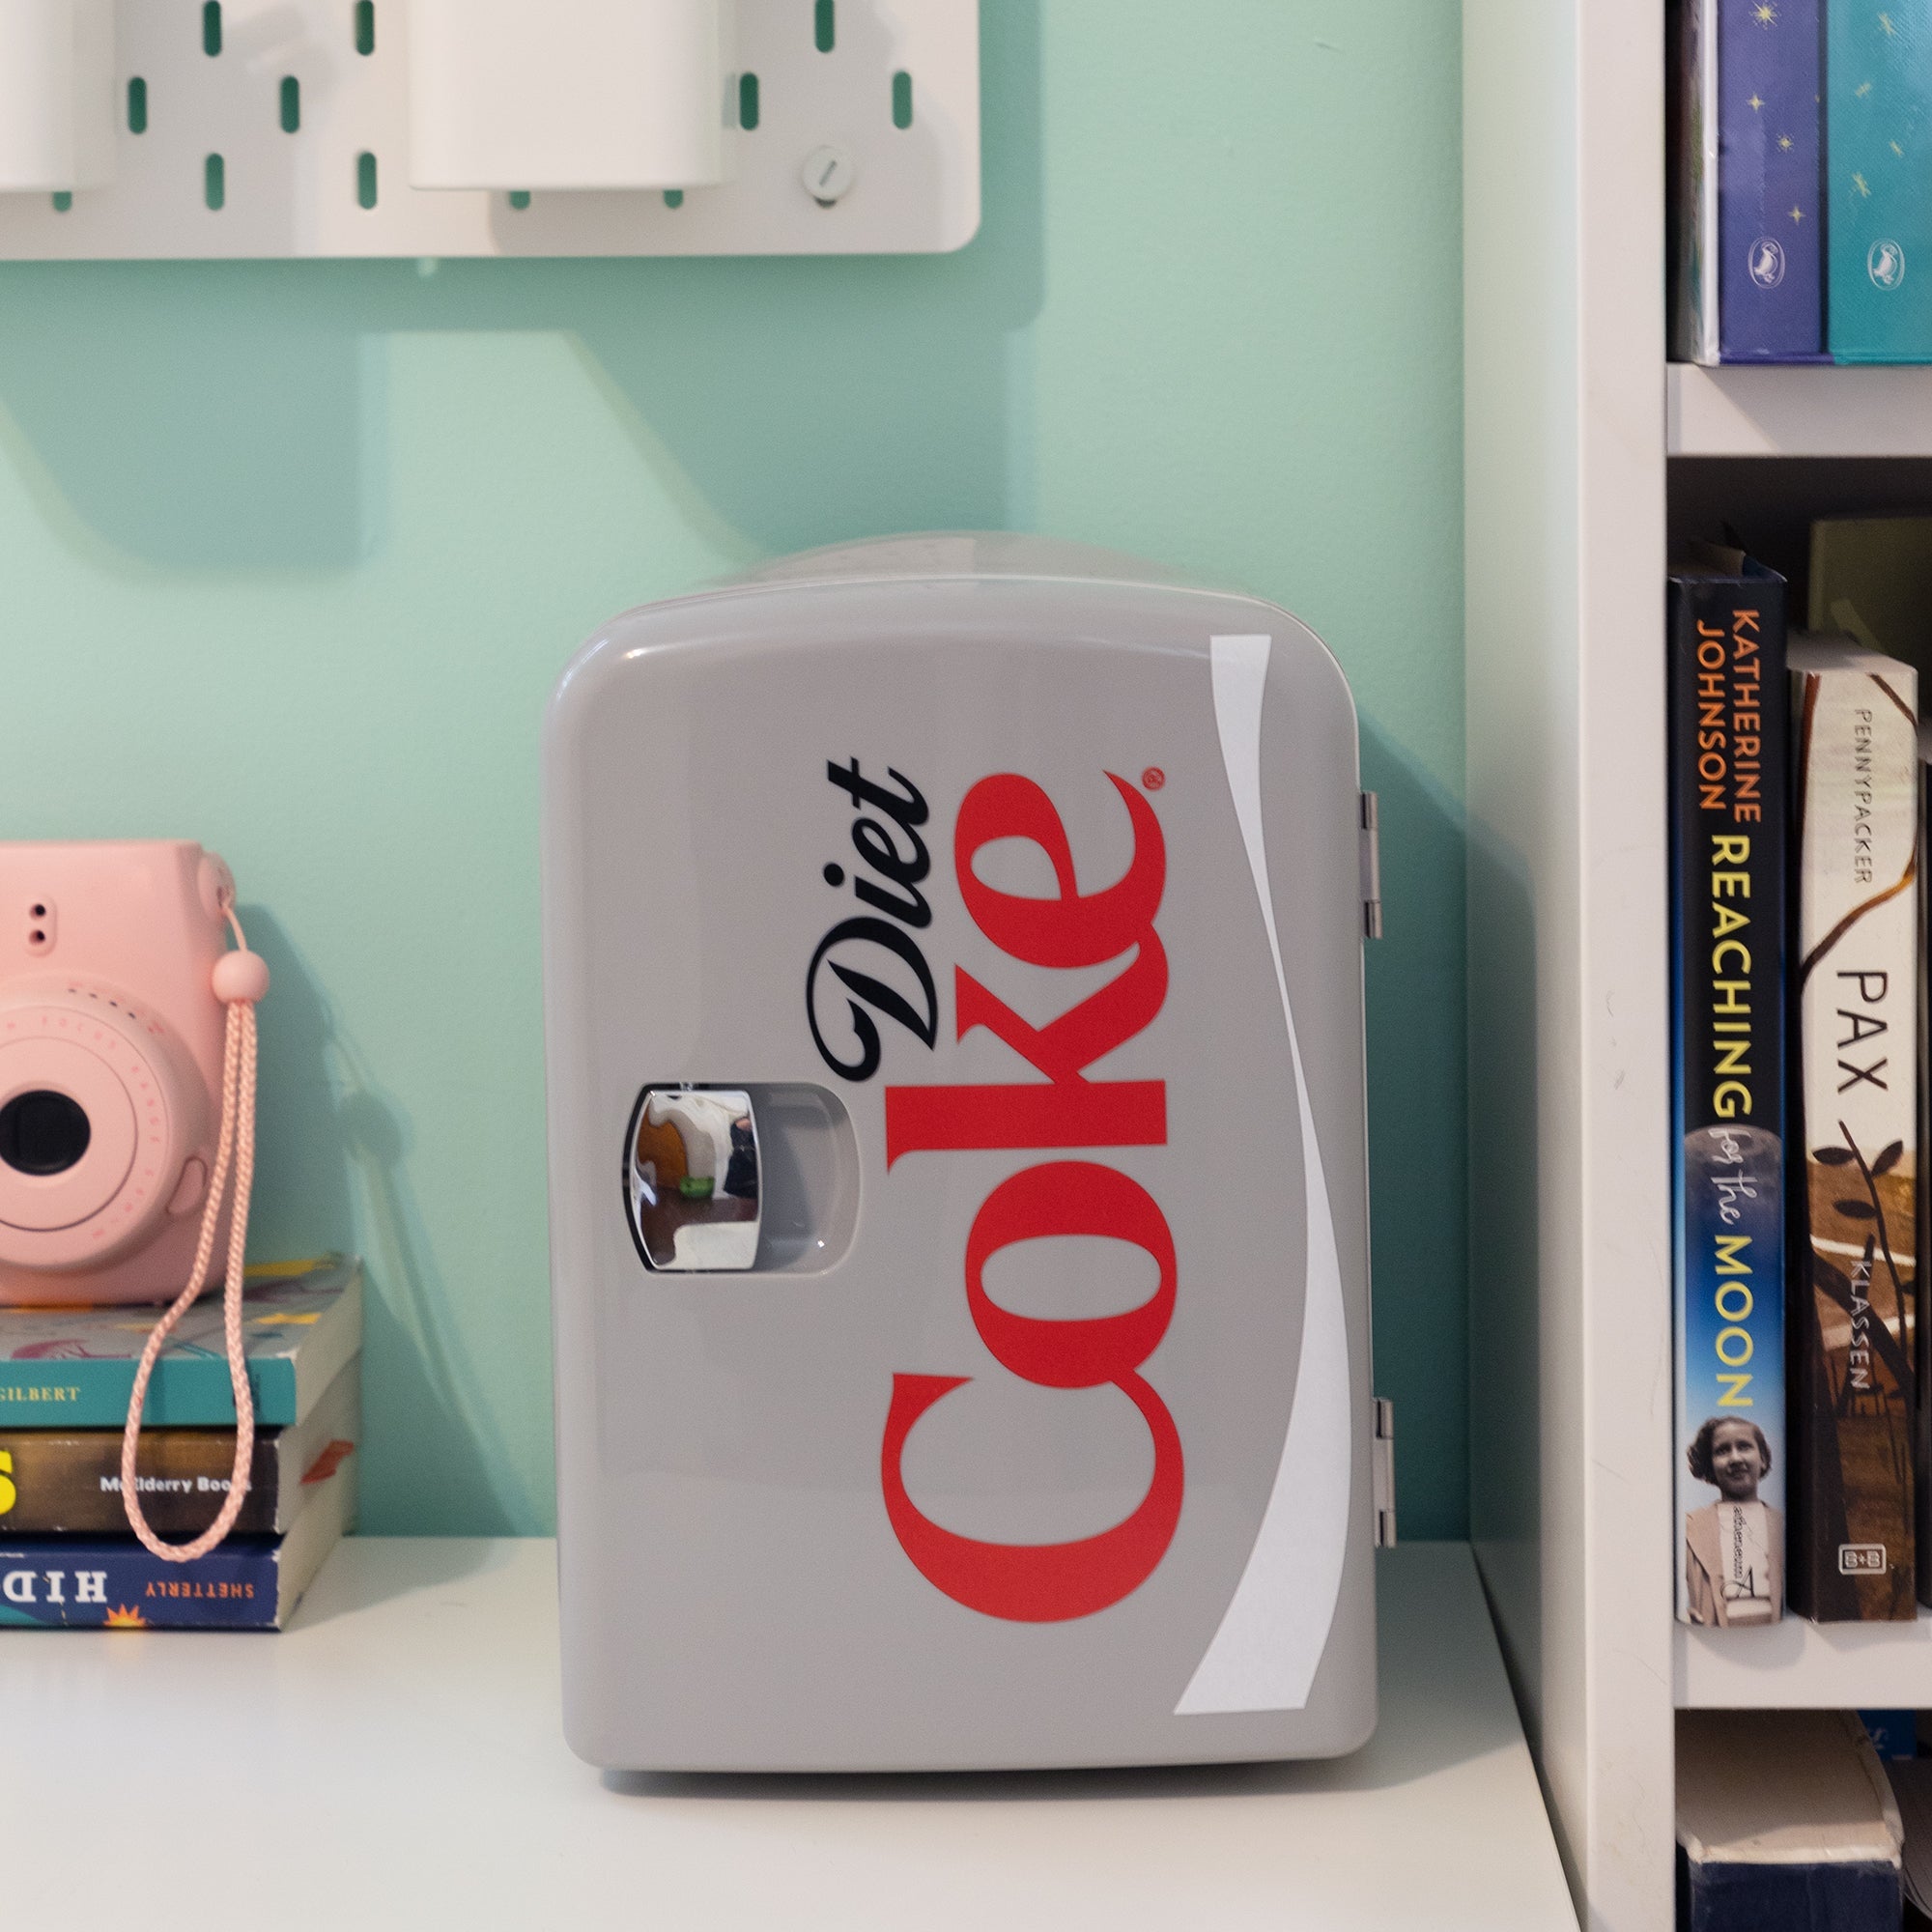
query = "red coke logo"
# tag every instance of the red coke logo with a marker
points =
(1052, 1582)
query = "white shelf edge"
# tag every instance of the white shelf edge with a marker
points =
(1802, 409)
(1802, 1665)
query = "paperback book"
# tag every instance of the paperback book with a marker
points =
(1786, 1822)
(67, 1483)
(248, 1583)
(1727, 694)
(1855, 723)
(1871, 578)
(73, 1368)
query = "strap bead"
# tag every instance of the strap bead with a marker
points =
(241, 975)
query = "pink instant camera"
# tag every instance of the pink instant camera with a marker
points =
(110, 1066)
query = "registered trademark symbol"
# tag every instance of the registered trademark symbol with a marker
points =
(1154, 778)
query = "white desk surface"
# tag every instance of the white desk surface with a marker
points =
(395, 1759)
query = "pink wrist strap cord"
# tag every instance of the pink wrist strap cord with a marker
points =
(240, 979)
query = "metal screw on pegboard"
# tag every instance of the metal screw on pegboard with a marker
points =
(828, 174)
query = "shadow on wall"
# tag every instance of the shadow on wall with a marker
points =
(1417, 1071)
(1505, 1404)
(335, 1133)
(214, 415)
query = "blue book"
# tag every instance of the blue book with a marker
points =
(1728, 709)
(1879, 88)
(1894, 1734)
(69, 1583)
(73, 1368)
(1771, 236)
(1747, 193)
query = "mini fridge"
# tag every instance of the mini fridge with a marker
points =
(958, 1178)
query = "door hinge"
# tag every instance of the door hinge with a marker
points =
(1372, 869)
(1385, 1473)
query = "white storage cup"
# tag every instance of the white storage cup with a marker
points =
(56, 95)
(570, 93)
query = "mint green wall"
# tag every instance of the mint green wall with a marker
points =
(292, 553)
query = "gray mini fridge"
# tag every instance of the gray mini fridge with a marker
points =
(959, 1189)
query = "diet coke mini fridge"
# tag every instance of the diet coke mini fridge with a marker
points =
(958, 1192)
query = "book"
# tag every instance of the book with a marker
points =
(1921, 1334)
(1786, 1822)
(1750, 268)
(1911, 1779)
(113, 1584)
(73, 1368)
(1727, 698)
(1894, 1734)
(1871, 578)
(1692, 187)
(67, 1483)
(1853, 1222)
(1879, 171)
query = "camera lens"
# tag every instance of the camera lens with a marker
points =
(43, 1132)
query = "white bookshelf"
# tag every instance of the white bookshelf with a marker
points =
(1565, 505)
(1801, 1665)
(1579, 440)
(1817, 411)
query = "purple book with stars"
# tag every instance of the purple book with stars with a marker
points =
(1748, 258)
(1771, 232)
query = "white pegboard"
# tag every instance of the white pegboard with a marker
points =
(913, 188)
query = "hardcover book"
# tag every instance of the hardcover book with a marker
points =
(248, 1583)
(1879, 170)
(73, 1368)
(1750, 256)
(67, 1483)
(1727, 826)
(1855, 726)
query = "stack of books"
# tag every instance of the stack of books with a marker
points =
(1800, 157)
(1799, 967)
(67, 1557)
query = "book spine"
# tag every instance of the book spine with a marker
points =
(1854, 1224)
(1921, 1328)
(62, 1484)
(1693, 182)
(186, 1392)
(1879, 180)
(1727, 706)
(85, 1585)
(1770, 235)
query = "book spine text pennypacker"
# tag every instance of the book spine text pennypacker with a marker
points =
(1854, 1228)
(1727, 816)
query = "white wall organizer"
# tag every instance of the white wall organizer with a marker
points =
(451, 128)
